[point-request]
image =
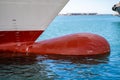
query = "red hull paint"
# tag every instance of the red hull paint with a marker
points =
(82, 44)
(18, 36)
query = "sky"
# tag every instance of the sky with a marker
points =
(90, 6)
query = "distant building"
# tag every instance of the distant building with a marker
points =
(70, 14)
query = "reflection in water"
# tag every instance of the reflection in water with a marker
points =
(91, 60)
(48, 67)
(22, 68)
(72, 67)
(116, 28)
(116, 24)
(116, 33)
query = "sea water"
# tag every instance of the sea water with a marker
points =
(50, 67)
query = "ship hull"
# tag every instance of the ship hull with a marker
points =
(116, 8)
(25, 20)
(18, 36)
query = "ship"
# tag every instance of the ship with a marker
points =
(116, 8)
(26, 20)
(23, 21)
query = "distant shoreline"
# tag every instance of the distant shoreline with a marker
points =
(80, 14)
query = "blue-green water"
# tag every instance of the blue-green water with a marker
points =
(44, 67)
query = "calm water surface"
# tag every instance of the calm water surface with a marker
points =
(51, 67)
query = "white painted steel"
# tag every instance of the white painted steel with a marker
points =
(28, 14)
